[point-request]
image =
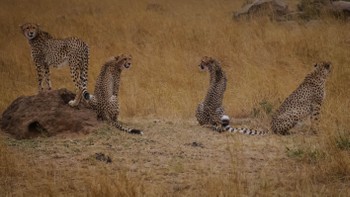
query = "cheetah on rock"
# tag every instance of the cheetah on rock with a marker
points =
(48, 51)
(105, 99)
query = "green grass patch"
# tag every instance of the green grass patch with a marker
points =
(308, 155)
(343, 141)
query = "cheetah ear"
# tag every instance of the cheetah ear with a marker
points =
(327, 66)
(119, 57)
(38, 25)
(110, 59)
(122, 57)
(211, 60)
(21, 26)
(204, 59)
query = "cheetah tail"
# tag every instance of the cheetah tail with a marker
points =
(225, 124)
(125, 129)
(246, 131)
(86, 95)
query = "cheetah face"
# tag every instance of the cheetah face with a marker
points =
(324, 67)
(127, 62)
(205, 63)
(124, 61)
(30, 30)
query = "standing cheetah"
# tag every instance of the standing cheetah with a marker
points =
(105, 98)
(210, 112)
(305, 101)
(48, 51)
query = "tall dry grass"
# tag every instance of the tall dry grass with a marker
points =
(264, 62)
(263, 59)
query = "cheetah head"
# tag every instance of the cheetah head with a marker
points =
(323, 67)
(206, 63)
(124, 61)
(30, 30)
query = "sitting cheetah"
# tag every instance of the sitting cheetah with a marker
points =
(48, 51)
(105, 98)
(305, 101)
(210, 112)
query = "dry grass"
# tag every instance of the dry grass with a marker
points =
(264, 62)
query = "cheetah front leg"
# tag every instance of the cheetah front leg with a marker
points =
(75, 76)
(219, 114)
(101, 114)
(40, 71)
(209, 119)
(201, 116)
(282, 123)
(215, 116)
(217, 119)
(113, 108)
(84, 79)
(93, 103)
(46, 71)
(314, 117)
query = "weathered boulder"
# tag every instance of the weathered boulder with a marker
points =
(342, 7)
(313, 9)
(275, 9)
(47, 114)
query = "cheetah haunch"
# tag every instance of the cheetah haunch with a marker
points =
(48, 51)
(105, 99)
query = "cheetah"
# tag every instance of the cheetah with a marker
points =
(210, 112)
(105, 99)
(305, 101)
(48, 51)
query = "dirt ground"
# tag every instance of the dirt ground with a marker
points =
(178, 157)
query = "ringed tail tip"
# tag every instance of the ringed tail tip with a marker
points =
(136, 131)
(86, 95)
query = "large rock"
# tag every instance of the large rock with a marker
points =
(311, 9)
(342, 7)
(47, 114)
(275, 9)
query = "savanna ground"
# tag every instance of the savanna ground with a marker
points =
(264, 62)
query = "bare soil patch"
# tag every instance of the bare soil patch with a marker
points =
(176, 157)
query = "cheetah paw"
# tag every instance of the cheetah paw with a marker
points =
(73, 103)
(91, 96)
